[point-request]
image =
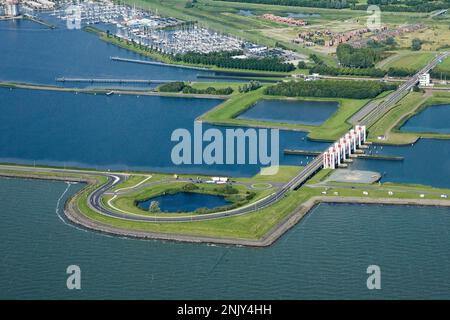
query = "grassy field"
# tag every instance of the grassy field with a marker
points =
(407, 60)
(444, 66)
(390, 123)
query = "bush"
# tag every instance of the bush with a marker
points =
(189, 187)
(416, 44)
(252, 85)
(176, 86)
(154, 207)
(227, 189)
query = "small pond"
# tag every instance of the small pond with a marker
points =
(185, 202)
(246, 13)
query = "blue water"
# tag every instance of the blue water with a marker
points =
(434, 119)
(426, 162)
(110, 132)
(325, 256)
(291, 111)
(33, 53)
(185, 202)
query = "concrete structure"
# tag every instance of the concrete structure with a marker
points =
(424, 79)
(343, 148)
(12, 8)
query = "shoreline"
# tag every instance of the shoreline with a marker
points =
(74, 215)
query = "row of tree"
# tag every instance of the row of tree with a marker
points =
(209, 90)
(407, 5)
(335, 71)
(252, 85)
(330, 88)
(224, 59)
(178, 86)
(333, 4)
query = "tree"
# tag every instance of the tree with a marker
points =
(416, 44)
(154, 207)
(302, 65)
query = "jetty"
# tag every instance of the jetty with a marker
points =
(156, 63)
(302, 152)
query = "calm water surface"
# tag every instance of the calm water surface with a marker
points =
(111, 132)
(71, 53)
(425, 162)
(289, 111)
(185, 202)
(432, 119)
(325, 256)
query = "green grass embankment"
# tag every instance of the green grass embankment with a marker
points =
(413, 103)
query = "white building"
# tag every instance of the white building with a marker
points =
(424, 79)
(12, 8)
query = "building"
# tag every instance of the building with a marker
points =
(424, 79)
(12, 8)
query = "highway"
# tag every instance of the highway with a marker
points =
(367, 116)
(373, 111)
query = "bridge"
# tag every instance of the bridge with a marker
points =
(330, 158)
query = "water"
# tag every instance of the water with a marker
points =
(289, 111)
(246, 13)
(111, 132)
(426, 162)
(185, 202)
(433, 119)
(33, 53)
(325, 256)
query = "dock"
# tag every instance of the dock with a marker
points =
(302, 152)
(358, 155)
(157, 63)
(380, 157)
